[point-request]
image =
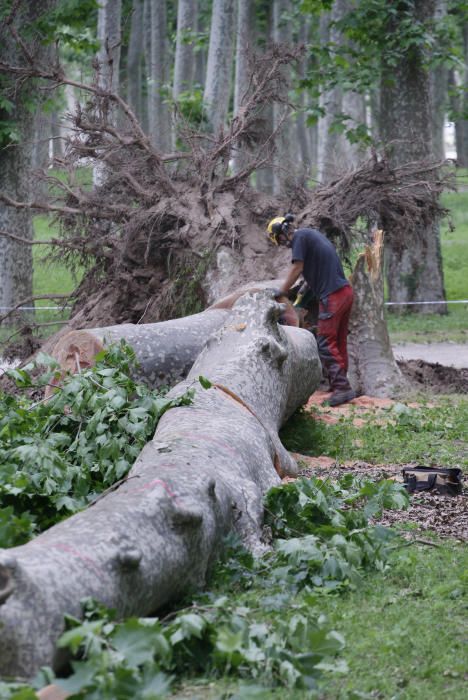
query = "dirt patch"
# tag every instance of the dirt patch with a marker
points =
(447, 516)
(439, 379)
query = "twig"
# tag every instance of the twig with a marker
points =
(20, 239)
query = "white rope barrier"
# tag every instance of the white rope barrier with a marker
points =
(31, 308)
(415, 303)
(387, 303)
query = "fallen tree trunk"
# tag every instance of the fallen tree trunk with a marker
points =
(204, 474)
(373, 369)
(165, 351)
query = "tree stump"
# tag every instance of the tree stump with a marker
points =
(373, 369)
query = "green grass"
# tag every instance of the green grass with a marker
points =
(428, 435)
(430, 328)
(406, 628)
(405, 632)
(417, 327)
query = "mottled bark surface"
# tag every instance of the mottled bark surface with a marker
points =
(165, 351)
(373, 369)
(158, 114)
(16, 162)
(414, 272)
(337, 154)
(244, 37)
(218, 70)
(284, 165)
(204, 474)
(184, 62)
(109, 36)
(135, 60)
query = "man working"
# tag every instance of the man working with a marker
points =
(316, 259)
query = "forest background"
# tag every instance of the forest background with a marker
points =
(372, 75)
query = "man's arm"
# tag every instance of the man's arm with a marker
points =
(294, 272)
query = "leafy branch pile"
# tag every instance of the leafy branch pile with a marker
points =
(236, 631)
(58, 456)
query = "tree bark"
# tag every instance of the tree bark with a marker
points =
(158, 113)
(184, 64)
(338, 155)
(135, 60)
(373, 369)
(284, 166)
(302, 130)
(439, 94)
(241, 80)
(219, 67)
(164, 351)
(204, 474)
(109, 36)
(413, 273)
(16, 162)
(462, 141)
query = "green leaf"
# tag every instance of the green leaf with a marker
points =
(206, 384)
(139, 643)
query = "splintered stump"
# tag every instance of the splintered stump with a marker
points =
(373, 369)
(204, 474)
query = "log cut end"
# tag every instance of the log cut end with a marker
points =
(74, 351)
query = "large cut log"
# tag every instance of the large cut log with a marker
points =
(373, 369)
(204, 474)
(165, 351)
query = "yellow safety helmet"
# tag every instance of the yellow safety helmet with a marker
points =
(277, 226)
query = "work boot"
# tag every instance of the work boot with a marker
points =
(339, 396)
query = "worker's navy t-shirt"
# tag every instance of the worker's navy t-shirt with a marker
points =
(323, 270)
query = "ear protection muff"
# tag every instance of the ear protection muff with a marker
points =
(279, 227)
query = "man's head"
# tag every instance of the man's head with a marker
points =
(280, 229)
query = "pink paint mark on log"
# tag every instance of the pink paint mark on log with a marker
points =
(157, 482)
(87, 561)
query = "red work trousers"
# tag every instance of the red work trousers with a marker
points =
(332, 335)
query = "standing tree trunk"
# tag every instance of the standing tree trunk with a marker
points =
(462, 122)
(109, 36)
(337, 154)
(16, 162)
(439, 93)
(135, 60)
(219, 68)
(242, 77)
(184, 64)
(414, 272)
(373, 369)
(158, 113)
(302, 131)
(204, 474)
(284, 166)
